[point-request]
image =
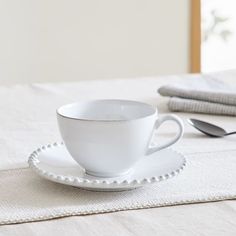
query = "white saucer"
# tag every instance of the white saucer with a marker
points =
(53, 162)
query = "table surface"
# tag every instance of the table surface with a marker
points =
(28, 121)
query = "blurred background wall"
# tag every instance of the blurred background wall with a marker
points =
(62, 40)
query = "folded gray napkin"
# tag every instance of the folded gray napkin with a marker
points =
(201, 94)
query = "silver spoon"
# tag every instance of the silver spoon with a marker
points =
(208, 128)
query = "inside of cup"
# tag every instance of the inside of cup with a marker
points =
(106, 110)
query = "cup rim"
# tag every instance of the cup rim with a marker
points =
(154, 110)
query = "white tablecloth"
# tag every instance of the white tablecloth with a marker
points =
(28, 120)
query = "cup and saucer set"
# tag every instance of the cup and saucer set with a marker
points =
(107, 146)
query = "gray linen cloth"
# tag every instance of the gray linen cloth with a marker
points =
(201, 94)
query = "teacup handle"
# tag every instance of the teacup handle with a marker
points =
(158, 123)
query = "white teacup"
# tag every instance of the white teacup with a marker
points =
(107, 137)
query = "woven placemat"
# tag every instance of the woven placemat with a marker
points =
(25, 197)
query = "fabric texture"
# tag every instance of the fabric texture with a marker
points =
(28, 121)
(207, 177)
(213, 218)
(201, 94)
(190, 105)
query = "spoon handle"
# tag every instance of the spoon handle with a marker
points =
(230, 133)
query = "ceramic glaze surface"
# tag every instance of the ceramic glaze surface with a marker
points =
(107, 137)
(54, 162)
(107, 110)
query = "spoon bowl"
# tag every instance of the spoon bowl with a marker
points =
(208, 128)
